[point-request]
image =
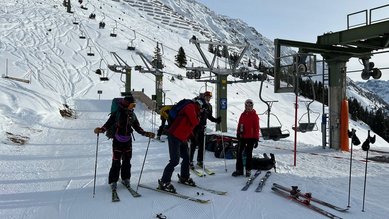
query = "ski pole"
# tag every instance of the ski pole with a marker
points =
(349, 178)
(204, 149)
(144, 160)
(364, 184)
(224, 150)
(94, 179)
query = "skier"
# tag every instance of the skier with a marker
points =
(122, 140)
(197, 139)
(180, 131)
(248, 135)
(164, 112)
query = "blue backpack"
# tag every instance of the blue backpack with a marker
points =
(173, 112)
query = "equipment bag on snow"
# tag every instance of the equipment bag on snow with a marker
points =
(173, 112)
(265, 163)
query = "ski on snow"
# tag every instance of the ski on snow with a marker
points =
(203, 188)
(179, 195)
(294, 191)
(250, 180)
(304, 202)
(262, 181)
(134, 193)
(197, 172)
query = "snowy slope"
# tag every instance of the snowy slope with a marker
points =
(52, 175)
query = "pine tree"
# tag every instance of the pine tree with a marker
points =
(181, 58)
(157, 61)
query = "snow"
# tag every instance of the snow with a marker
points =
(52, 175)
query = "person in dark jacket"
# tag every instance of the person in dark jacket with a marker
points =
(179, 133)
(248, 135)
(126, 121)
(197, 141)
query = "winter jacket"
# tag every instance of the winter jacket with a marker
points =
(124, 124)
(187, 118)
(248, 125)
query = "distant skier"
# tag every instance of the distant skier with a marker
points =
(197, 141)
(123, 120)
(248, 135)
(179, 132)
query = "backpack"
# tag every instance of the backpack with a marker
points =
(264, 163)
(111, 131)
(173, 112)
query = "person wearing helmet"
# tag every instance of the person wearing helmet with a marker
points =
(248, 135)
(197, 141)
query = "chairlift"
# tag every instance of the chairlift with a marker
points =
(90, 53)
(271, 133)
(82, 35)
(103, 73)
(309, 125)
(75, 21)
(113, 34)
(130, 45)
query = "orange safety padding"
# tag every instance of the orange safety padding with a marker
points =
(344, 140)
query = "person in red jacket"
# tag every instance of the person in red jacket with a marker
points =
(248, 135)
(178, 134)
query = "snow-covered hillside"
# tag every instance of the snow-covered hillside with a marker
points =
(51, 176)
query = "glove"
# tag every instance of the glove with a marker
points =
(255, 143)
(219, 120)
(98, 130)
(149, 134)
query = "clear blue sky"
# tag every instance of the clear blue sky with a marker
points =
(300, 20)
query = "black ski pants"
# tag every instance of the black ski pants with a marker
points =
(245, 148)
(121, 161)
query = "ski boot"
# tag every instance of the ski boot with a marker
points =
(187, 181)
(168, 187)
(200, 164)
(114, 185)
(248, 173)
(237, 173)
(126, 182)
(191, 166)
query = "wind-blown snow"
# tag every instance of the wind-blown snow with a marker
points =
(52, 175)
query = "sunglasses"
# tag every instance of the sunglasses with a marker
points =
(249, 104)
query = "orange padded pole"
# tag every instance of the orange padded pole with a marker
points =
(344, 144)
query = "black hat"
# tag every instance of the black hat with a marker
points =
(129, 99)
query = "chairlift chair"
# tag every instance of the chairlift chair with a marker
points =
(82, 35)
(90, 53)
(113, 34)
(271, 133)
(308, 126)
(130, 45)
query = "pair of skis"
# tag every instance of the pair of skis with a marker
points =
(115, 196)
(190, 198)
(199, 171)
(305, 199)
(261, 182)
